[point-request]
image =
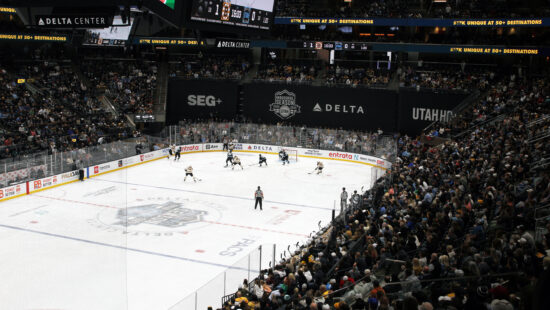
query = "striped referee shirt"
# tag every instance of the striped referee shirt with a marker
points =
(259, 194)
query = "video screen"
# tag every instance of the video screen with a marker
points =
(111, 36)
(255, 14)
(169, 3)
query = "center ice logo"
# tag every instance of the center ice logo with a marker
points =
(169, 214)
(157, 216)
(285, 105)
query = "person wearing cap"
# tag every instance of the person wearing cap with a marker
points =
(346, 281)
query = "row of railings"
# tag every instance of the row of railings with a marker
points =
(22, 168)
(539, 134)
(43, 164)
(328, 233)
(373, 144)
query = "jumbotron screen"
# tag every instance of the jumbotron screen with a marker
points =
(255, 14)
(111, 36)
(169, 3)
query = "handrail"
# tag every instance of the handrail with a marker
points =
(459, 108)
(538, 120)
(539, 137)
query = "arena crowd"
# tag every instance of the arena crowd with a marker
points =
(450, 227)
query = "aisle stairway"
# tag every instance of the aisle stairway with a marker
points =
(161, 92)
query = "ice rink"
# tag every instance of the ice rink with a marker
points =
(142, 238)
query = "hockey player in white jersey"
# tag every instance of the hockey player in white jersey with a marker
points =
(171, 150)
(189, 172)
(319, 167)
(236, 161)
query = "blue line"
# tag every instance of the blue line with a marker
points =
(212, 194)
(122, 248)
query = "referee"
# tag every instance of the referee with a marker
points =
(259, 195)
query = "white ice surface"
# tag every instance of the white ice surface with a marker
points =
(65, 248)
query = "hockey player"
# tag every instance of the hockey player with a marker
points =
(178, 154)
(231, 146)
(319, 167)
(189, 172)
(171, 150)
(284, 157)
(237, 161)
(263, 160)
(229, 159)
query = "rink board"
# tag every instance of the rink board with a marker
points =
(30, 187)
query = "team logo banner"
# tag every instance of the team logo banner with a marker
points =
(285, 105)
(417, 110)
(345, 107)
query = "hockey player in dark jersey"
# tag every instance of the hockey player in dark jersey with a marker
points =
(229, 159)
(284, 157)
(263, 160)
(178, 154)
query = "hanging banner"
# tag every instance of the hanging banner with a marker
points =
(201, 99)
(335, 107)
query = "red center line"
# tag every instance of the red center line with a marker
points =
(204, 221)
(77, 201)
(256, 228)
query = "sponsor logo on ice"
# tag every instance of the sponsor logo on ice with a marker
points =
(156, 216)
(169, 214)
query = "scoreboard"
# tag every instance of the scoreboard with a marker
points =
(250, 14)
(329, 45)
